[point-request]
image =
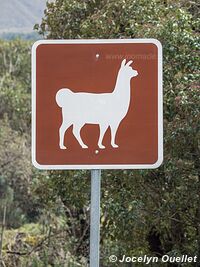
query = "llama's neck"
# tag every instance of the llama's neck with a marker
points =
(122, 87)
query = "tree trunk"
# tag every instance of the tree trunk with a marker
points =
(2, 233)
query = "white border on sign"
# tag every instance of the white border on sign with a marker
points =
(160, 105)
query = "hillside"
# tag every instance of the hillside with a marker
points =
(20, 15)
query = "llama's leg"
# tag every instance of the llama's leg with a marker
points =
(62, 130)
(103, 128)
(76, 132)
(114, 128)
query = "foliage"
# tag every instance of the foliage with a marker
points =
(15, 165)
(15, 83)
(75, 207)
(15, 177)
(30, 246)
(24, 36)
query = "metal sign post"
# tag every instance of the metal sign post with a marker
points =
(95, 217)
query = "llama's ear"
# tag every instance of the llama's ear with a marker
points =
(123, 63)
(129, 63)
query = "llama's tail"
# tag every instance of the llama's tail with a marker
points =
(61, 96)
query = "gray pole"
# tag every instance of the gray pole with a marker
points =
(95, 217)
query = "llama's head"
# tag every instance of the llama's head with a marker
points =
(127, 70)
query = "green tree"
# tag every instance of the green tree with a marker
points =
(16, 177)
(15, 167)
(15, 83)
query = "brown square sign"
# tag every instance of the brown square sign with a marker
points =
(97, 104)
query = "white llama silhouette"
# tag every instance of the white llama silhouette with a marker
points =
(105, 109)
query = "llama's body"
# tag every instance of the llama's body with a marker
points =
(91, 108)
(105, 109)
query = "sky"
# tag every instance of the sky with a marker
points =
(20, 15)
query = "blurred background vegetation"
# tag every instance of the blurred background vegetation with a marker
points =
(151, 212)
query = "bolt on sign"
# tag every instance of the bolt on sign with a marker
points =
(97, 104)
